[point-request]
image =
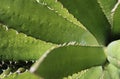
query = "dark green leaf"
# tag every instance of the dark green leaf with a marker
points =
(91, 16)
(107, 7)
(67, 60)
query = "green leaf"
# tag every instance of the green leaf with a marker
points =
(110, 72)
(91, 16)
(116, 21)
(113, 71)
(37, 19)
(60, 10)
(25, 75)
(113, 53)
(107, 7)
(105, 75)
(91, 73)
(66, 60)
(111, 8)
(17, 46)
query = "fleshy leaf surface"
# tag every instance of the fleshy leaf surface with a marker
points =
(98, 72)
(89, 13)
(111, 8)
(110, 72)
(40, 21)
(107, 7)
(17, 46)
(116, 21)
(66, 60)
(91, 73)
(113, 53)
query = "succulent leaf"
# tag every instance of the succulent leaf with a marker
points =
(107, 7)
(111, 8)
(38, 20)
(116, 21)
(17, 46)
(113, 53)
(68, 60)
(91, 16)
(88, 74)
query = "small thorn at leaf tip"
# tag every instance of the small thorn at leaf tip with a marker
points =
(50, 8)
(38, 1)
(3, 62)
(10, 62)
(26, 70)
(42, 3)
(16, 32)
(5, 27)
(10, 73)
(26, 62)
(71, 43)
(33, 61)
(15, 62)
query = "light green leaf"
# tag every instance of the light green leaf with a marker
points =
(91, 73)
(39, 20)
(67, 60)
(110, 72)
(17, 46)
(113, 71)
(91, 16)
(113, 53)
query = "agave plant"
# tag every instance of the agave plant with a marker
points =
(59, 39)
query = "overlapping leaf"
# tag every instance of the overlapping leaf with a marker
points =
(109, 72)
(66, 60)
(113, 53)
(88, 74)
(111, 9)
(17, 46)
(91, 16)
(38, 20)
(107, 7)
(116, 21)
(48, 20)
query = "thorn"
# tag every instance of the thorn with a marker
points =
(15, 62)
(33, 61)
(10, 62)
(38, 1)
(3, 62)
(26, 62)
